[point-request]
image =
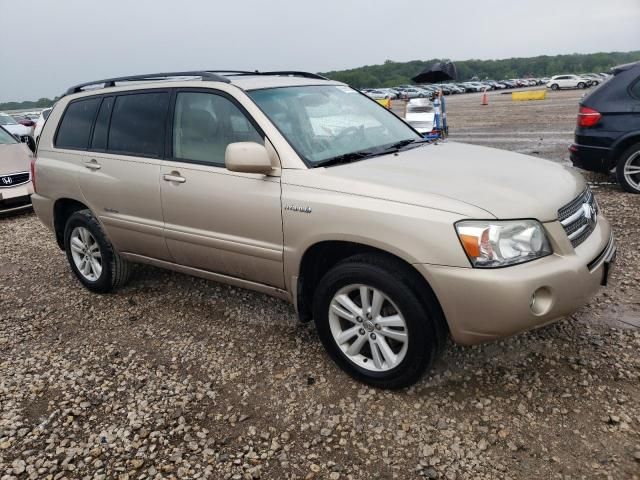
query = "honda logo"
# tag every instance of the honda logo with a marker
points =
(7, 180)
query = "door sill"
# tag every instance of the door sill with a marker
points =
(216, 277)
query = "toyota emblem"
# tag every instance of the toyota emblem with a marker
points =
(589, 213)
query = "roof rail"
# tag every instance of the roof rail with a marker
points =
(205, 75)
(283, 73)
(293, 73)
(111, 82)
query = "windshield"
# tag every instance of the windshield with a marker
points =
(329, 121)
(6, 138)
(7, 120)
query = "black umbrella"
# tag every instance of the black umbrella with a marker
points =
(438, 72)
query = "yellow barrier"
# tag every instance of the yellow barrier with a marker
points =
(385, 102)
(529, 95)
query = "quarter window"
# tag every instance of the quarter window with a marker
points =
(204, 124)
(137, 124)
(75, 126)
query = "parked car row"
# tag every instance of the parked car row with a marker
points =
(25, 126)
(428, 91)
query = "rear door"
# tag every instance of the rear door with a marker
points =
(217, 220)
(120, 173)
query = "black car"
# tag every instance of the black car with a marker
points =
(608, 130)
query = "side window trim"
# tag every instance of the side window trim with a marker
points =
(95, 122)
(169, 124)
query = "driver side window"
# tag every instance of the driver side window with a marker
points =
(204, 124)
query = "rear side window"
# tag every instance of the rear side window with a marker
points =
(138, 124)
(100, 131)
(75, 127)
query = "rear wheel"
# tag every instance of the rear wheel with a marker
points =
(91, 256)
(555, 86)
(376, 323)
(628, 169)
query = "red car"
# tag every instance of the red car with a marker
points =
(24, 120)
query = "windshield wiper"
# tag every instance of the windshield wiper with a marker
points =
(404, 143)
(345, 158)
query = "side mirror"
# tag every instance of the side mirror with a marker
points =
(247, 157)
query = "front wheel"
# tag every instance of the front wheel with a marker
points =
(581, 85)
(91, 256)
(555, 86)
(628, 169)
(376, 323)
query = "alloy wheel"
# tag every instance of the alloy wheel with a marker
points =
(368, 327)
(631, 170)
(86, 254)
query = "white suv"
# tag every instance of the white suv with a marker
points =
(567, 81)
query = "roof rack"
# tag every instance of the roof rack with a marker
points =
(205, 75)
(281, 73)
(111, 82)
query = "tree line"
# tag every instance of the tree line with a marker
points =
(392, 73)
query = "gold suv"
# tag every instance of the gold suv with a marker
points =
(300, 187)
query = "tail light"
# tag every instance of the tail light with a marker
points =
(588, 117)
(33, 171)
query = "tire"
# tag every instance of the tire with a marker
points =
(555, 86)
(629, 162)
(87, 236)
(581, 85)
(405, 300)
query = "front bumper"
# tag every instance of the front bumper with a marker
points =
(482, 305)
(16, 199)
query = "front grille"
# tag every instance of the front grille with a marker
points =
(579, 217)
(14, 179)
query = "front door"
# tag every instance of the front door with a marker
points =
(217, 220)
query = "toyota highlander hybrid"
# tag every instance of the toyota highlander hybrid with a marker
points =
(300, 187)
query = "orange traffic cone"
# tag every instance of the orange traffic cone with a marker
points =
(485, 99)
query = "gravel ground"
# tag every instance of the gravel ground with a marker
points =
(177, 377)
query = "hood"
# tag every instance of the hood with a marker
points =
(14, 157)
(478, 182)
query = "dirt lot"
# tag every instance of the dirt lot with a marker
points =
(176, 377)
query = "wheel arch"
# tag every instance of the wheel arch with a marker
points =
(63, 208)
(320, 257)
(621, 144)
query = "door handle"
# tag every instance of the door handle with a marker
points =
(173, 177)
(93, 165)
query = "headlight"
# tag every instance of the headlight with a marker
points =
(501, 243)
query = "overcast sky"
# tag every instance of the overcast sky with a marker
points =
(49, 45)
